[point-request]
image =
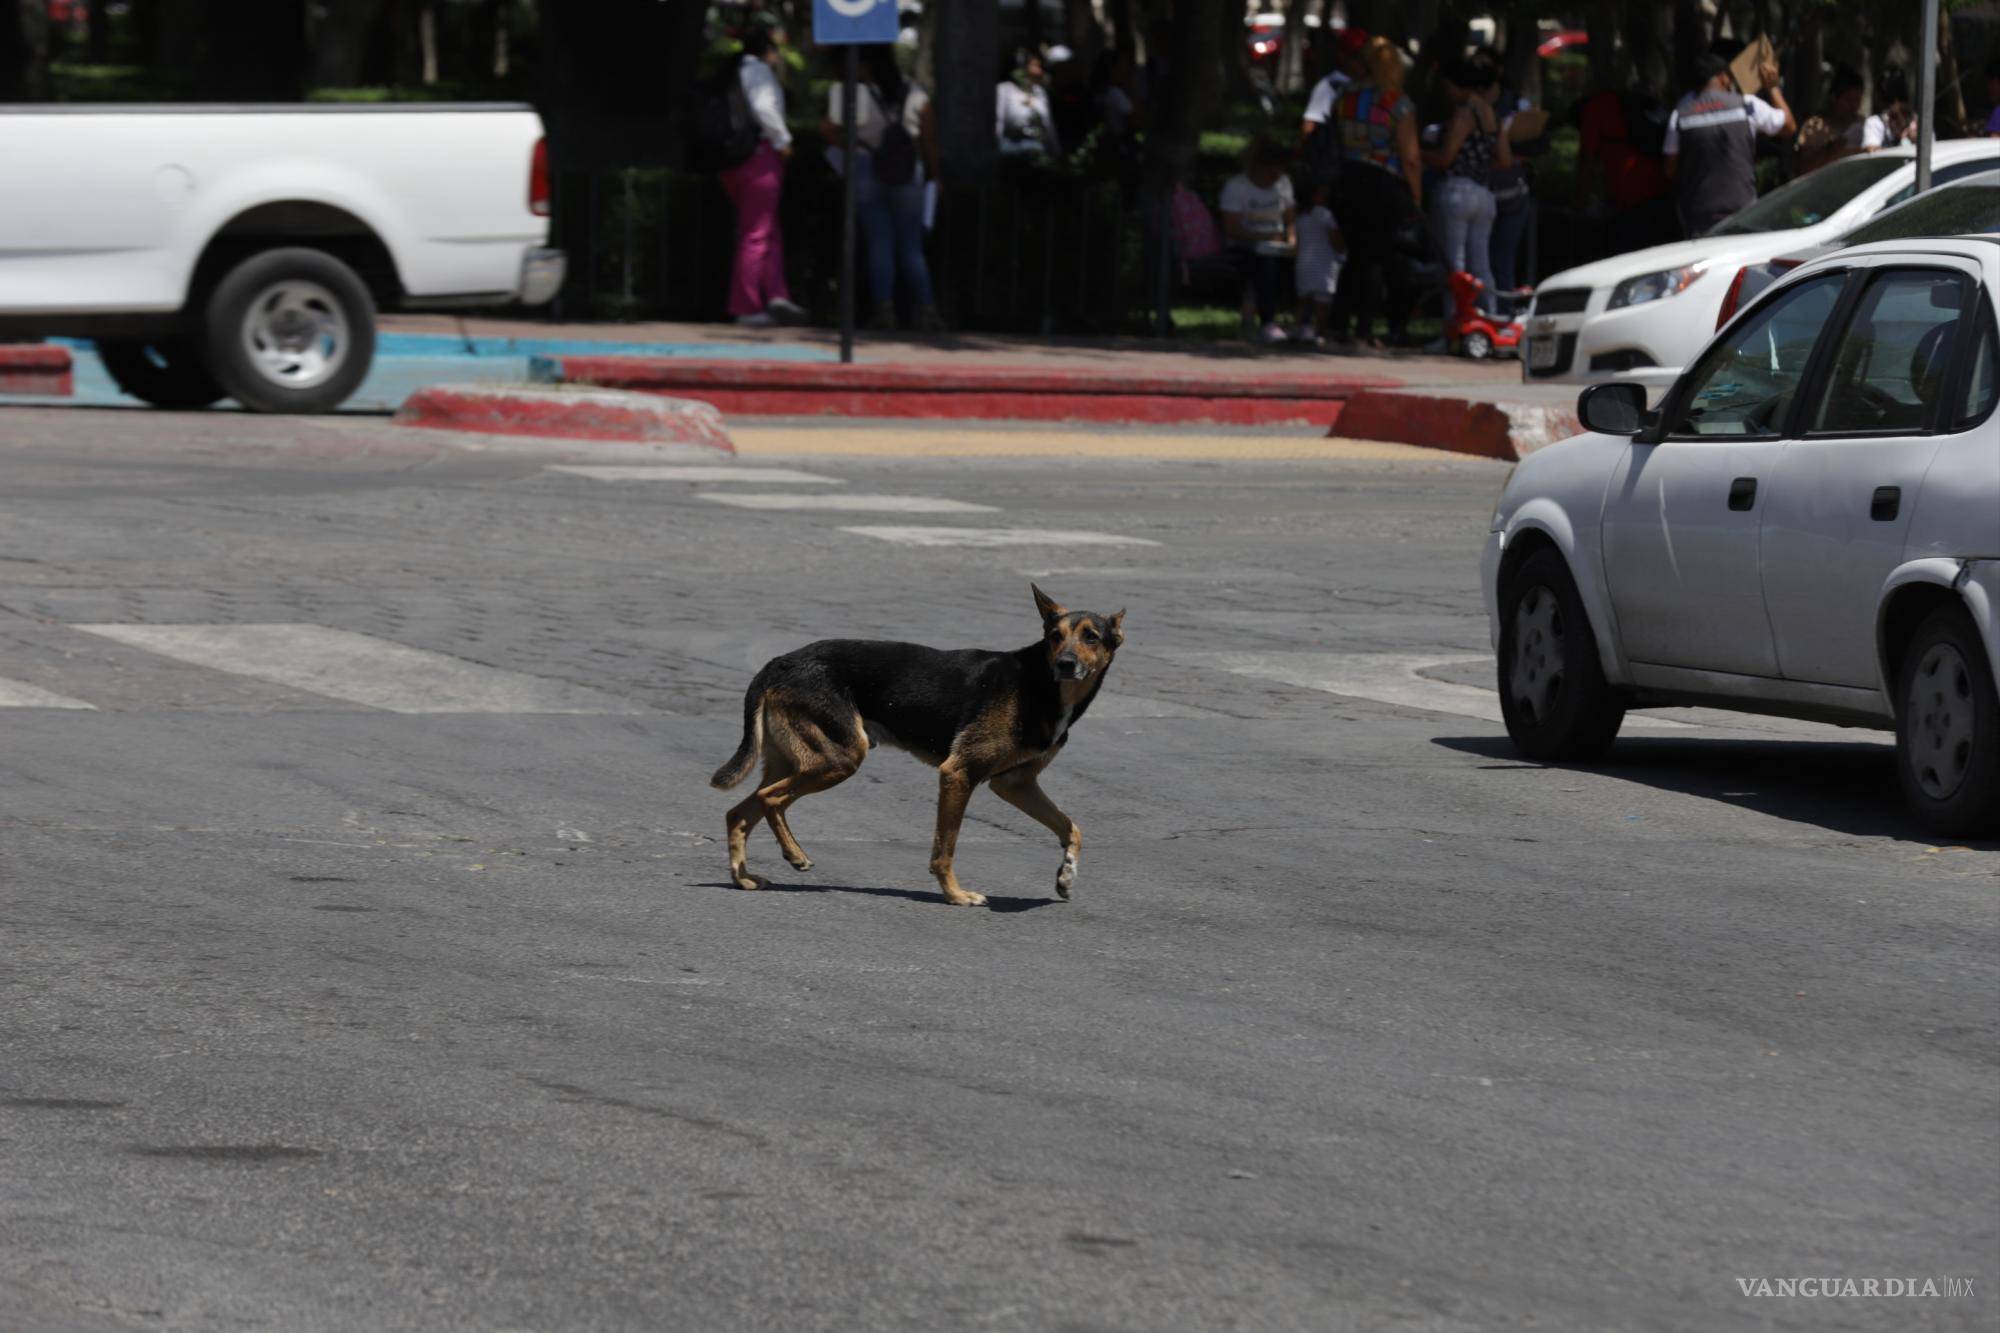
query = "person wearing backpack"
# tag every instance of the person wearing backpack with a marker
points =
(758, 294)
(896, 160)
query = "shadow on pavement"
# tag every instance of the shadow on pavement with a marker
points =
(1843, 786)
(929, 897)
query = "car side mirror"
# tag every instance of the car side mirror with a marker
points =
(1613, 409)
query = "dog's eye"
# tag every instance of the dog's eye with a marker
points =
(1089, 637)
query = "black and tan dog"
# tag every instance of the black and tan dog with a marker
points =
(974, 715)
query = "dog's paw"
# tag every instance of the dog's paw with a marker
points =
(802, 864)
(749, 881)
(967, 898)
(1066, 877)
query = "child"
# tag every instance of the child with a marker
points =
(1257, 215)
(1321, 248)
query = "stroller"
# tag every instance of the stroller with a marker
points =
(1472, 332)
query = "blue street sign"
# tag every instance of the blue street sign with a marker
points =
(854, 22)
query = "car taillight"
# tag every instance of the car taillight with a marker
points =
(538, 179)
(1729, 297)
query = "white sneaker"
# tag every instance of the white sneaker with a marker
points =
(786, 312)
(1273, 333)
(759, 320)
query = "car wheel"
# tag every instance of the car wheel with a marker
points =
(290, 331)
(1948, 727)
(167, 373)
(1478, 345)
(1553, 695)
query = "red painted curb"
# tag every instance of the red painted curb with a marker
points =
(974, 393)
(569, 414)
(1490, 429)
(37, 368)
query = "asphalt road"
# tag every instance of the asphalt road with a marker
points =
(345, 983)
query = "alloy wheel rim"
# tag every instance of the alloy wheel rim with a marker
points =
(1537, 675)
(1943, 720)
(296, 334)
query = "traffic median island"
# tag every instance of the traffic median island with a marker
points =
(1509, 426)
(567, 413)
(36, 368)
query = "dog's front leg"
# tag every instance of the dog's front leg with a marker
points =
(1022, 791)
(954, 791)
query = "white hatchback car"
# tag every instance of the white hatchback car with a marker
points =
(1643, 315)
(1808, 526)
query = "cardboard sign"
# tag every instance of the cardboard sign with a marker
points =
(1747, 66)
(1527, 126)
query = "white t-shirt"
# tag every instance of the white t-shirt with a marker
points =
(1764, 118)
(1875, 133)
(1023, 117)
(875, 119)
(766, 97)
(1263, 207)
(1318, 269)
(1319, 107)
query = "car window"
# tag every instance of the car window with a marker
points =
(1890, 367)
(1982, 380)
(1945, 176)
(1743, 384)
(1812, 197)
(1963, 211)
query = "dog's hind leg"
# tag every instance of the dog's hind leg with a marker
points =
(1022, 789)
(778, 764)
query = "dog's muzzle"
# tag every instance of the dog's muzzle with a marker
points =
(1069, 668)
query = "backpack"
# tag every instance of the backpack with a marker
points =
(1195, 236)
(896, 156)
(725, 133)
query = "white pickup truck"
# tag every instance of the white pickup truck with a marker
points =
(242, 251)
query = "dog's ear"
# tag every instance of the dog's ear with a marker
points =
(1118, 629)
(1051, 609)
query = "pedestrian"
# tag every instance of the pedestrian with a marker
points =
(1023, 118)
(896, 162)
(1836, 132)
(1258, 212)
(1319, 140)
(1711, 145)
(1472, 146)
(1896, 123)
(1112, 84)
(758, 296)
(1378, 198)
(1620, 169)
(1317, 270)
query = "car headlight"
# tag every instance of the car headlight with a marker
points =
(1655, 286)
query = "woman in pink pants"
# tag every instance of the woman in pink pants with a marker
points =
(758, 295)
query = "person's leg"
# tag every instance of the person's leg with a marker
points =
(1454, 219)
(1505, 251)
(911, 264)
(753, 187)
(1479, 241)
(1264, 270)
(878, 235)
(773, 281)
(742, 288)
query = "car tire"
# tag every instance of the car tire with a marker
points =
(1948, 727)
(290, 330)
(1553, 695)
(166, 373)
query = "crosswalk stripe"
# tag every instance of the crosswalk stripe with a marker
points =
(846, 502)
(20, 694)
(363, 669)
(690, 472)
(996, 537)
(1387, 678)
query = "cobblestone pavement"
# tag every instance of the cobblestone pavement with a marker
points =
(380, 971)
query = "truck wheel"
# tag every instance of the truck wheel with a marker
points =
(290, 331)
(1948, 728)
(1553, 695)
(168, 373)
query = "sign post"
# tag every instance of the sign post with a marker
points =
(852, 24)
(1927, 95)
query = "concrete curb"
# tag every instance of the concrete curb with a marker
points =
(567, 414)
(36, 368)
(993, 393)
(1498, 428)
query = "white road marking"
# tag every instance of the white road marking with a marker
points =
(363, 669)
(690, 472)
(847, 502)
(997, 537)
(1387, 678)
(20, 694)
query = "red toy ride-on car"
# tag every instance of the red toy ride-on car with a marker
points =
(1474, 333)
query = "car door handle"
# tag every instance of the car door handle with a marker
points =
(1742, 493)
(1887, 503)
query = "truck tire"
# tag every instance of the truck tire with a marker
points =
(1553, 695)
(290, 330)
(169, 373)
(1948, 728)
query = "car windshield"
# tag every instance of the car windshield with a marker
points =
(1962, 210)
(1811, 198)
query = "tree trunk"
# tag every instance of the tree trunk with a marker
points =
(98, 44)
(1125, 28)
(24, 51)
(427, 41)
(1192, 88)
(1950, 111)
(1080, 30)
(1292, 49)
(1231, 54)
(1600, 19)
(340, 40)
(968, 70)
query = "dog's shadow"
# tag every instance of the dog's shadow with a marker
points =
(930, 898)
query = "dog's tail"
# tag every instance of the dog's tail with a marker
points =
(745, 758)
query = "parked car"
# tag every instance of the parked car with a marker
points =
(1643, 315)
(1963, 208)
(1808, 525)
(242, 251)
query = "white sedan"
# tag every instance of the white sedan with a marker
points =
(1642, 316)
(1808, 526)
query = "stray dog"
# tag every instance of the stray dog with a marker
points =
(974, 715)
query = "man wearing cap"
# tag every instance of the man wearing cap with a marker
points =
(1347, 49)
(1711, 143)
